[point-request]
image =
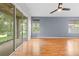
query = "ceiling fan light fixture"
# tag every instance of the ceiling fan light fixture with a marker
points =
(59, 9)
(61, 6)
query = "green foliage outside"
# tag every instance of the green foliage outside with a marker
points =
(6, 27)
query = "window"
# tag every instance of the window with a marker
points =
(25, 28)
(6, 27)
(74, 26)
(36, 26)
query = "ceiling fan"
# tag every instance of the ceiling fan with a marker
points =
(60, 8)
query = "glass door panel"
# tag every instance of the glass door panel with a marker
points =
(25, 29)
(6, 34)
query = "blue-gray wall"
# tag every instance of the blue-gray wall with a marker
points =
(54, 27)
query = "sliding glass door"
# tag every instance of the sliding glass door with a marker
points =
(19, 28)
(6, 34)
(22, 30)
(13, 30)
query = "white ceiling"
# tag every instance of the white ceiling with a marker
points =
(43, 9)
(23, 8)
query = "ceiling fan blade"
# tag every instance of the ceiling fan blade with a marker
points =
(53, 11)
(66, 9)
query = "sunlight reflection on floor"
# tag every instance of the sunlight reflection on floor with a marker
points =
(72, 47)
(36, 47)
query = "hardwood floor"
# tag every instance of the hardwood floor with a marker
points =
(49, 47)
